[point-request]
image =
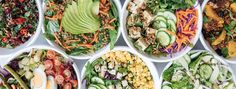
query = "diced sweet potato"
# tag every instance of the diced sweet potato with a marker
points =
(232, 48)
(212, 14)
(220, 38)
(233, 7)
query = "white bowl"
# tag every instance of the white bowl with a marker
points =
(154, 58)
(215, 57)
(208, 47)
(7, 52)
(28, 49)
(149, 64)
(89, 55)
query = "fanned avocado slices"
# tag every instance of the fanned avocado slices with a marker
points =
(81, 17)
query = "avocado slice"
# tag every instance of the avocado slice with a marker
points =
(78, 17)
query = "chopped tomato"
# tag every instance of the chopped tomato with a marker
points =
(50, 72)
(24, 31)
(51, 54)
(74, 83)
(4, 39)
(59, 79)
(57, 62)
(19, 21)
(21, 1)
(67, 73)
(48, 64)
(67, 86)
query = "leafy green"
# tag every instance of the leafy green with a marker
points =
(205, 19)
(230, 27)
(183, 83)
(224, 52)
(53, 25)
(89, 73)
(49, 36)
(167, 74)
(156, 5)
(113, 36)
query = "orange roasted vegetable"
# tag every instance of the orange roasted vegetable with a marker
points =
(212, 14)
(232, 48)
(220, 38)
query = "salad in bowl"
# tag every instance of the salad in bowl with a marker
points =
(82, 27)
(219, 32)
(198, 70)
(20, 24)
(161, 29)
(119, 69)
(39, 67)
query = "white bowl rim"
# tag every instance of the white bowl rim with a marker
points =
(163, 59)
(45, 47)
(206, 44)
(106, 48)
(215, 57)
(148, 63)
(9, 51)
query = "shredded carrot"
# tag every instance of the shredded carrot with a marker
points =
(95, 38)
(85, 37)
(86, 45)
(112, 20)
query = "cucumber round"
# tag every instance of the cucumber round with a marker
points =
(102, 86)
(162, 29)
(170, 15)
(97, 80)
(163, 38)
(160, 13)
(166, 87)
(173, 39)
(93, 86)
(160, 18)
(172, 25)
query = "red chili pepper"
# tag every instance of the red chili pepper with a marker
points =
(19, 20)
(21, 1)
(24, 31)
(4, 39)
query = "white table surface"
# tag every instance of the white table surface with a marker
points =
(121, 42)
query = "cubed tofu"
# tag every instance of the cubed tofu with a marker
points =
(135, 32)
(150, 31)
(118, 86)
(147, 18)
(124, 83)
(140, 42)
(113, 72)
(135, 6)
(119, 75)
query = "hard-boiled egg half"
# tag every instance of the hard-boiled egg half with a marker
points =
(51, 84)
(39, 80)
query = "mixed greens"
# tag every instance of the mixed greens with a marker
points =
(81, 26)
(18, 22)
(198, 70)
(219, 27)
(39, 69)
(161, 27)
(117, 70)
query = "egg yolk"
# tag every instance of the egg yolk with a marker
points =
(49, 84)
(37, 81)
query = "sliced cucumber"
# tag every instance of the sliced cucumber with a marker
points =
(97, 80)
(93, 86)
(161, 13)
(172, 25)
(166, 87)
(173, 39)
(162, 29)
(170, 15)
(159, 24)
(195, 55)
(102, 86)
(160, 18)
(163, 37)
